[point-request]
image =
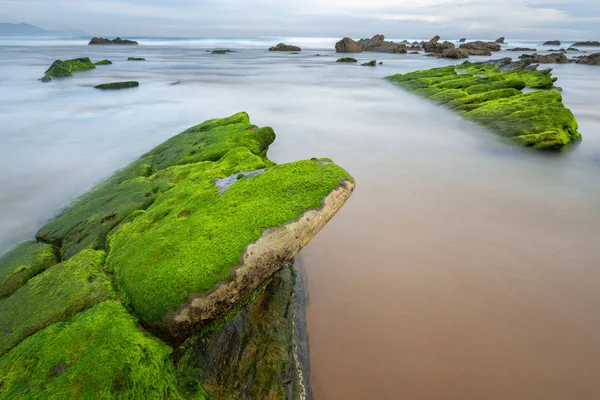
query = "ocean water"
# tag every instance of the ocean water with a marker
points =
(461, 268)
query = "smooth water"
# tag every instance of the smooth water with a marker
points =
(461, 268)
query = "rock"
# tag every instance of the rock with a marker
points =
(432, 45)
(592, 59)
(558, 51)
(103, 62)
(414, 52)
(521, 49)
(347, 45)
(572, 49)
(221, 51)
(500, 40)
(479, 48)
(454, 53)
(552, 43)
(61, 69)
(372, 63)
(135, 59)
(117, 85)
(23, 263)
(285, 47)
(485, 93)
(462, 40)
(97, 40)
(414, 48)
(589, 43)
(553, 58)
(347, 60)
(377, 44)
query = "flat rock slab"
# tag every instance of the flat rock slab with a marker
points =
(118, 85)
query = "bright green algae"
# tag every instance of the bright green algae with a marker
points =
(55, 295)
(23, 263)
(191, 237)
(60, 69)
(100, 354)
(89, 219)
(491, 94)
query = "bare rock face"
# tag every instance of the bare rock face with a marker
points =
(500, 40)
(553, 58)
(552, 43)
(285, 47)
(454, 53)
(347, 45)
(480, 48)
(432, 45)
(377, 44)
(521, 49)
(592, 59)
(97, 40)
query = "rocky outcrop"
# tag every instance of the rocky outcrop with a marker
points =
(103, 62)
(61, 69)
(285, 47)
(346, 60)
(432, 46)
(454, 53)
(347, 45)
(377, 44)
(592, 59)
(552, 43)
(500, 40)
(491, 94)
(480, 48)
(97, 40)
(462, 40)
(372, 63)
(521, 49)
(553, 58)
(117, 85)
(193, 239)
(136, 59)
(589, 43)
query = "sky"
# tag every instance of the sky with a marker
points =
(482, 19)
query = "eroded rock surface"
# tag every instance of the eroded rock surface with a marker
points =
(376, 44)
(285, 47)
(479, 48)
(592, 59)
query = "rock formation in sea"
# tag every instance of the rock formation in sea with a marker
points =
(172, 279)
(61, 69)
(589, 43)
(521, 49)
(553, 58)
(592, 59)
(552, 43)
(285, 47)
(432, 45)
(103, 62)
(377, 44)
(97, 40)
(117, 85)
(491, 94)
(479, 48)
(136, 59)
(346, 60)
(500, 40)
(462, 40)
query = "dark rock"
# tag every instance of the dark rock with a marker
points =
(480, 48)
(552, 43)
(592, 59)
(454, 53)
(285, 47)
(572, 49)
(220, 51)
(117, 85)
(593, 44)
(521, 49)
(415, 52)
(414, 48)
(558, 51)
(97, 40)
(462, 40)
(432, 46)
(371, 63)
(500, 40)
(347, 45)
(136, 59)
(378, 44)
(347, 60)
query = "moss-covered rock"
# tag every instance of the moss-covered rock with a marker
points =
(346, 60)
(490, 93)
(117, 85)
(221, 51)
(23, 263)
(100, 354)
(136, 59)
(103, 62)
(372, 63)
(61, 69)
(55, 295)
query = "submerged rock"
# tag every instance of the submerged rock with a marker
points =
(97, 40)
(136, 59)
(521, 49)
(479, 48)
(592, 59)
(193, 262)
(347, 60)
(372, 63)
(490, 93)
(588, 43)
(103, 62)
(221, 51)
(552, 43)
(285, 47)
(61, 69)
(117, 85)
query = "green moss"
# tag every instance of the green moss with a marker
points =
(88, 220)
(117, 85)
(160, 258)
(136, 59)
(104, 62)
(372, 63)
(490, 93)
(55, 295)
(101, 354)
(221, 51)
(60, 69)
(347, 60)
(23, 263)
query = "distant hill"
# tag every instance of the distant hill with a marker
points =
(22, 29)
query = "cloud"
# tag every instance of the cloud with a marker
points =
(396, 18)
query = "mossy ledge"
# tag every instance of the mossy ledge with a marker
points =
(491, 94)
(117, 85)
(61, 69)
(187, 238)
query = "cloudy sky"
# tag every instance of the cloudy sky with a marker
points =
(533, 19)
